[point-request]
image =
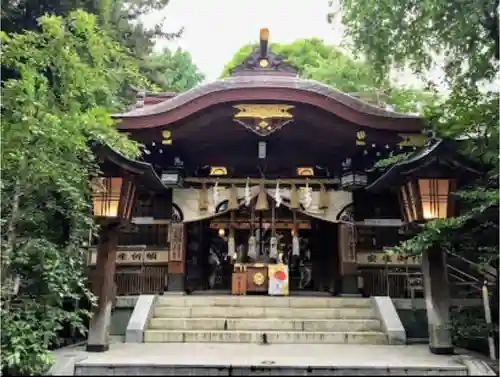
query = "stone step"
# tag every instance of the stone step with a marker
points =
(272, 337)
(262, 312)
(274, 324)
(265, 301)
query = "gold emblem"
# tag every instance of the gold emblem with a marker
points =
(305, 172)
(167, 137)
(360, 138)
(264, 63)
(258, 278)
(263, 119)
(218, 170)
(263, 111)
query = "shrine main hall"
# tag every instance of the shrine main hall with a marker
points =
(265, 184)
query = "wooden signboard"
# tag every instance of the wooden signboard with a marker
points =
(134, 257)
(347, 249)
(382, 259)
(176, 242)
(177, 248)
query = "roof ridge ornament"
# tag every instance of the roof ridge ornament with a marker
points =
(263, 61)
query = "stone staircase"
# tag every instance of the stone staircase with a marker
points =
(263, 319)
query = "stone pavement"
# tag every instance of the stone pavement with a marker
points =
(235, 359)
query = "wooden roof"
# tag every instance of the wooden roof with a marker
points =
(438, 152)
(112, 161)
(262, 77)
(277, 88)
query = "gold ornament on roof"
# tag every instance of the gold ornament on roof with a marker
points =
(263, 111)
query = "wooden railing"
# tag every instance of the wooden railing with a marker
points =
(399, 283)
(132, 280)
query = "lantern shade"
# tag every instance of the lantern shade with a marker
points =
(113, 197)
(353, 180)
(426, 199)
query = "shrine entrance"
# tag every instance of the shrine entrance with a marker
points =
(313, 264)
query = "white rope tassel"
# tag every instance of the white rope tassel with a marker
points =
(252, 248)
(307, 196)
(277, 195)
(295, 246)
(215, 194)
(273, 248)
(231, 248)
(248, 194)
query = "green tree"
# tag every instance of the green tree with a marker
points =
(172, 71)
(68, 76)
(417, 35)
(330, 65)
(120, 18)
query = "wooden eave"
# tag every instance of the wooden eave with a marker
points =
(267, 88)
(145, 171)
(436, 152)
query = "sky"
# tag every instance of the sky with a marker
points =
(215, 29)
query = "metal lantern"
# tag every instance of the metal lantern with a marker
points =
(353, 180)
(425, 199)
(172, 177)
(113, 197)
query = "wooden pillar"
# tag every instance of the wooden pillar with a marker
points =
(176, 260)
(98, 339)
(437, 301)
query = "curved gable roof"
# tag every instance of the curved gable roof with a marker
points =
(268, 87)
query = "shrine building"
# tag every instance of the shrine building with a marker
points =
(263, 168)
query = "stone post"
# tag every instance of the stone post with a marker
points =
(350, 286)
(437, 301)
(98, 339)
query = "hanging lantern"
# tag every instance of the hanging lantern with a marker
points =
(113, 197)
(353, 180)
(172, 177)
(425, 199)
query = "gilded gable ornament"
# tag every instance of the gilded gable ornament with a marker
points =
(263, 119)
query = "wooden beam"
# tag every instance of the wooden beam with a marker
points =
(256, 181)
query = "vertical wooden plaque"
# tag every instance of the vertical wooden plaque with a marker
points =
(347, 249)
(177, 242)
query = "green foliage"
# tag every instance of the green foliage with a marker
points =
(330, 65)
(172, 71)
(401, 33)
(68, 77)
(463, 39)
